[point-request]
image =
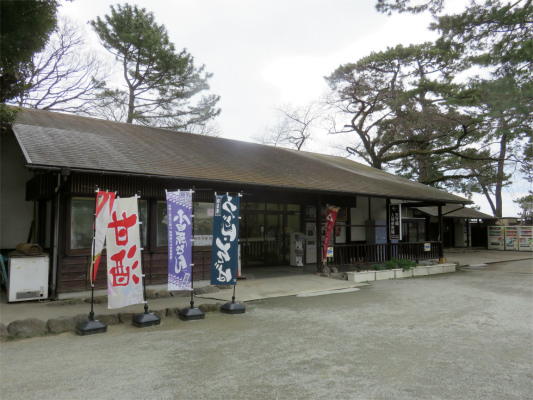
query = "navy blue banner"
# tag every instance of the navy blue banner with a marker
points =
(225, 240)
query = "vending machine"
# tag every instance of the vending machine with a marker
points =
(496, 238)
(297, 249)
(525, 238)
(511, 238)
(310, 243)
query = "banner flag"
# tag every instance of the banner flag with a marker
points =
(331, 216)
(179, 217)
(225, 240)
(104, 207)
(124, 272)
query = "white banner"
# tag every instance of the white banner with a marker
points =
(124, 273)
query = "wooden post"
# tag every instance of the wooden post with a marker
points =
(318, 236)
(388, 225)
(441, 233)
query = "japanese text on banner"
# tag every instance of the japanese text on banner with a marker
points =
(179, 217)
(225, 240)
(124, 272)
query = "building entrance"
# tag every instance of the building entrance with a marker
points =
(265, 234)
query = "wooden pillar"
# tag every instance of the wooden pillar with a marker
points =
(441, 233)
(388, 225)
(318, 235)
(468, 233)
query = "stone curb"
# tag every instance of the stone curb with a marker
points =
(32, 327)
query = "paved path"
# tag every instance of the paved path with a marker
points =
(291, 283)
(467, 335)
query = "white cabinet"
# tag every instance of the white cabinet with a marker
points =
(28, 277)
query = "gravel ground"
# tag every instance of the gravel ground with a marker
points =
(467, 335)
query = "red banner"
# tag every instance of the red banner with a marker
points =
(104, 207)
(331, 216)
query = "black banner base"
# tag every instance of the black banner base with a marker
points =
(233, 308)
(190, 314)
(91, 327)
(143, 320)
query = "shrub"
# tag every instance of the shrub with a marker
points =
(403, 264)
(406, 265)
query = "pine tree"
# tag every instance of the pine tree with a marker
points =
(160, 82)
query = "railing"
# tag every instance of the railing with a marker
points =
(349, 254)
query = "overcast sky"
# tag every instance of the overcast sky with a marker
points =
(265, 53)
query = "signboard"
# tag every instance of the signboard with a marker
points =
(427, 246)
(395, 222)
(179, 214)
(225, 240)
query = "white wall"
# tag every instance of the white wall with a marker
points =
(378, 209)
(16, 213)
(359, 215)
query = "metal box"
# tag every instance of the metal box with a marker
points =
(28, 277)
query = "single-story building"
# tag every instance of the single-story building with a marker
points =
(53, 162)
(463, 226)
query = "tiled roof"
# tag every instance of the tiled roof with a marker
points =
(50, 139)
(456, 211)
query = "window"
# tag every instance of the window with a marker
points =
(413, 230)
(162, 224)
(203, 224)
(81, 223)
(143, 217)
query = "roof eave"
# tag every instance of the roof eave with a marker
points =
(58, 168)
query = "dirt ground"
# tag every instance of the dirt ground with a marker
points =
(466, 335)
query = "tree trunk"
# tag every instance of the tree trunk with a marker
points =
(500, 177)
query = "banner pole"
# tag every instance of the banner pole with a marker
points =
(192, 245)
(233, 307)
(93, 251)
(191, 313)
(147, 318)
(92, 326)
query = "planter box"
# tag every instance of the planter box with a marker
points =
(361, 276)
(447, 268)
(420, 271)
(400, 273)
(435, 269)
(384, 274)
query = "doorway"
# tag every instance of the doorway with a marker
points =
(265, 237)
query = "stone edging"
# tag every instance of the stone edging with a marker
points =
(32, 327)
(398, 273)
